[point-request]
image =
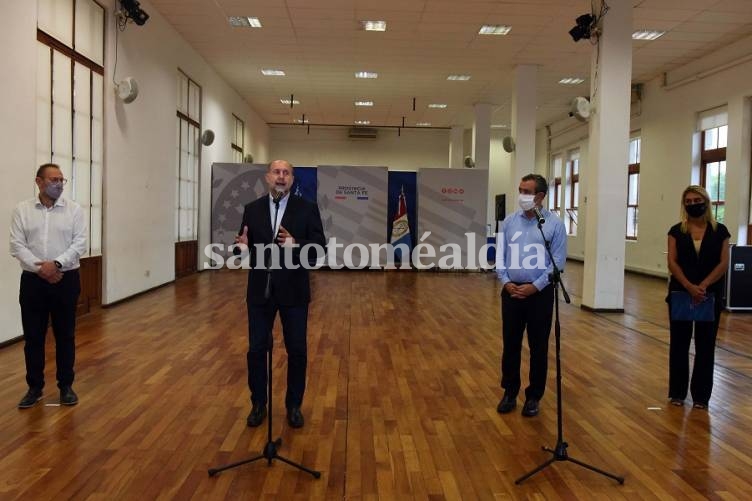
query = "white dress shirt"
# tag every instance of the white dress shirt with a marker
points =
(38, 233)
(280, 213)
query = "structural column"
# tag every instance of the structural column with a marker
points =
(523, 124)
(482, 136)
(456, 144)
(605, 186)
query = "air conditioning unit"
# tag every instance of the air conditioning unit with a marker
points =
(362, 133)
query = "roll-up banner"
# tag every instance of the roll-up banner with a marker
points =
(353, 208)
(452, 213)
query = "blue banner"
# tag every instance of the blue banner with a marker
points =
(402, 184)
(305, 184)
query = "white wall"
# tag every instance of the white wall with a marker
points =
(140, 148)
(18, 53)
(140, 156)
(667, 122)
(411, 150)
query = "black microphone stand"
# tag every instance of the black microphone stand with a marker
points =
(270, 450)
(559, 452)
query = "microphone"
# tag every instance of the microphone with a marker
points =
(277, 195)
(539, 215)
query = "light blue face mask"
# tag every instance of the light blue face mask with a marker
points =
(53, 190)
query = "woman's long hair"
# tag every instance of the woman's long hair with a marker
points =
(699, 190)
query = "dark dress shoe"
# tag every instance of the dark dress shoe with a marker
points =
(68, 396)
(30, 399)
(257, 415)
(507, 404)
(530, 409)
(295, 417)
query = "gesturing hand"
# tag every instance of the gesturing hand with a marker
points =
(284, 238)
(243, 237)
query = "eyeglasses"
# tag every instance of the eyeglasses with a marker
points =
(57, 180)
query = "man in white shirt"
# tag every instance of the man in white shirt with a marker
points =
(48, 236)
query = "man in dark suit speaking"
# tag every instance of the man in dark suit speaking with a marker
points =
(278, 284)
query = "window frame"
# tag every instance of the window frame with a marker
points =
(707, 157)
(633, 169)
(94, 205)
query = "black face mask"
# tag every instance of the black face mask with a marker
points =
(695, 210)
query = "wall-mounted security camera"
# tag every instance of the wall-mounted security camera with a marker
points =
(133, 11)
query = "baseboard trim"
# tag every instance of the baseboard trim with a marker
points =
(601, 310)
(134, 296)
(9, 342)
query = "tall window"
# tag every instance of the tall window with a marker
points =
(189, 159)
(572, 191)
(554, 196)
(633, 187)
(713, 168)
(238, 140)
(70, 84)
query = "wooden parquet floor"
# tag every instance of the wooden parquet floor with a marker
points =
(403, 383)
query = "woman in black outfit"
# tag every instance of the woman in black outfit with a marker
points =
(698, 256)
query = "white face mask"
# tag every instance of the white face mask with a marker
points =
(526, 202)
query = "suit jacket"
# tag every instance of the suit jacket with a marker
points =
(289, 287)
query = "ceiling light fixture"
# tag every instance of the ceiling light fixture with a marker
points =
(366, 74)
(273, 73)
(363, 103)
(571, 81)
(647, 34)
(458, 77)
(373, 25)
(362, 122)
(286, 100)
(423, 124)
(438, 106)
(244, 22)
(494, 29)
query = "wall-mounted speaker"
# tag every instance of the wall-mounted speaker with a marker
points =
(127, 90)
(207, 137)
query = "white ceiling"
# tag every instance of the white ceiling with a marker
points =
(320, 45)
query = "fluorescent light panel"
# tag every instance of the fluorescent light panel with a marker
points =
(458, 77)
(273, 73)
(366, 74)
(494, 29)
(287, 101)
(362, 122)
(363, 103)
(571, 81)
(423, 124)
(647, 34)
(301, 121)
(244, 22)
(373, 25)
(438, 106)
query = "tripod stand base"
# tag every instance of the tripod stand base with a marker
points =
(270, 454)
(560, 454)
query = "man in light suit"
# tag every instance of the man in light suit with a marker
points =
(291, 222)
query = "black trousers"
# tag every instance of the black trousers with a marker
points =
(41, 301)
(534, 313)
(680, 337)
(294, 325)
